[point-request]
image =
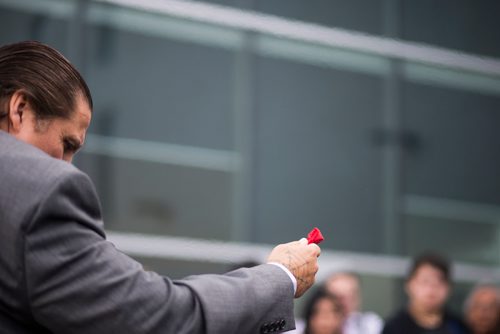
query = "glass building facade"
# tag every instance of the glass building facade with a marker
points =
(245, 123)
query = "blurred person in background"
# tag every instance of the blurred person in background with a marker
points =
(324, 314)
(428, 287)
(347, 287)
(59, 274)
(482, 309)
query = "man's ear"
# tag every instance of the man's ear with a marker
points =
(18, 105)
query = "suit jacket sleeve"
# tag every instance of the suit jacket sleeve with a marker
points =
(77, 282)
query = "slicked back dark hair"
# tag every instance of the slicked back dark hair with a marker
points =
(48, 80)
(434, 260)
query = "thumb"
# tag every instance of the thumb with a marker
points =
(303, 241)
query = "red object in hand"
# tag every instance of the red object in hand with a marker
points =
(315, 236)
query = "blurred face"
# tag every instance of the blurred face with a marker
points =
(483, 312)
(326, 318)
(60, 138)
(427, 289)
(346, 288)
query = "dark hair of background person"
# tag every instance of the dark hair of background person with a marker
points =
(48, 80)
(309, 308)
(434, 260)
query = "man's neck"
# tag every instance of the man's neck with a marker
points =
(425, 318)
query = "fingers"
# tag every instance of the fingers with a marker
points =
(301, 259)
(317, 249)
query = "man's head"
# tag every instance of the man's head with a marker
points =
(482, 309)
(346, 286)
(44, 101)
(428, 283)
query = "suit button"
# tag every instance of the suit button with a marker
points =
(274, 326)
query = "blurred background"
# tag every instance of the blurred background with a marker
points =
(222, 128)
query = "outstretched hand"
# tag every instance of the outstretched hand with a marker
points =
(302, 261)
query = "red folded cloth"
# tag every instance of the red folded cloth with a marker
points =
(315, 236)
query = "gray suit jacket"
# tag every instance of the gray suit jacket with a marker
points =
(58, 274)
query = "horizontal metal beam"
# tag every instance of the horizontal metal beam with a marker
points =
(223, 27)
(165, 153)
(270, 25)
(314, 33)
(451, 209)
(53, 8)
(188, 249)
(229, 161)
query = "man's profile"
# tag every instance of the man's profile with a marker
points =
(58, 274)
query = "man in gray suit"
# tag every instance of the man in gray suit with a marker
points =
(58, 274)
